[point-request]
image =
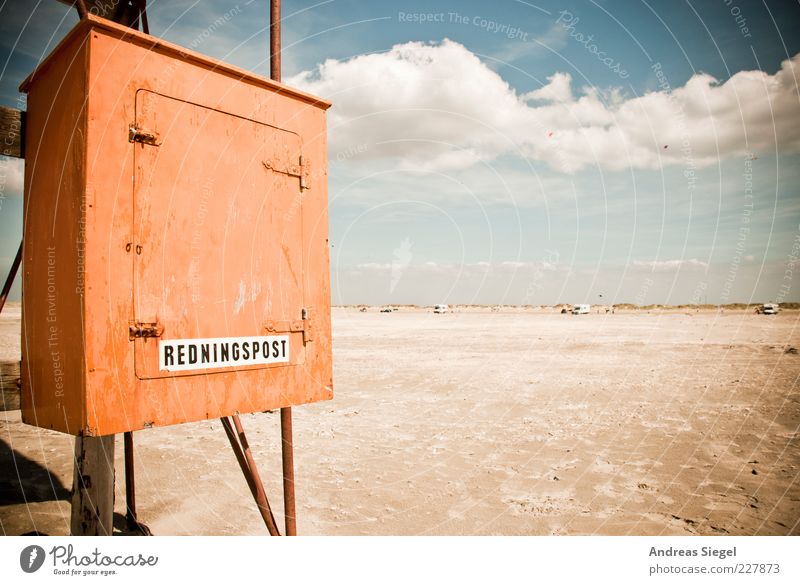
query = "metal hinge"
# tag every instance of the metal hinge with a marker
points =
(138, 330)
(303, 325)
(300, 170)
(142, 136)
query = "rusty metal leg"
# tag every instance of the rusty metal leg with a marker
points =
(244, 456)
(287, 452)
(141, 8)
(80, 5)
(12, 273)
(130, 489)
(286, 413)
(275, 40)
(237, 451)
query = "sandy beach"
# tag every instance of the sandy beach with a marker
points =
(481, 422)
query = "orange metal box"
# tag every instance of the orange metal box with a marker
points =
(176, 255)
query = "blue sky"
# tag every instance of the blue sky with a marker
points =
(520, 152)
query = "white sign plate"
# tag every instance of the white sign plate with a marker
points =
(176, 355)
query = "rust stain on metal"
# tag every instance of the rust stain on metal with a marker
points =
(143, 136)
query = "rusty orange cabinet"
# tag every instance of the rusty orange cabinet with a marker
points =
(175, 238)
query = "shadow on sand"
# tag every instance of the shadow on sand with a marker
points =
(25, 481)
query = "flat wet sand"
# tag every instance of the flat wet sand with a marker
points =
(481, 422)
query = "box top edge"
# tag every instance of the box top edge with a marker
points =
(92, 22)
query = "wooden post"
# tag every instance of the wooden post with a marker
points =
(93, 487)
(12, 132)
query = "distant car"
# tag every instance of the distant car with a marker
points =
(387, 310)
(441, 309)
(768, 309)
(363, 309)
(581, 309)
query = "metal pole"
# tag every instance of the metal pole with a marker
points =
(237, 451)
(287, 450)
(130, 490)
(80, 5)
(263, 505)
(131, 518)
(275, 39)
(141, 6)
(10, 279)
(287, 447)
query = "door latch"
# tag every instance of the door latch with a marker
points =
(139, 330)
(300, 170)
(136, 134)
(303, 325)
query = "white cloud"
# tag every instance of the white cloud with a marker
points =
(557, 90)
(437, 106)
(456, 267)
(12, 176)
(374, 266)
(552, 40)
(670, 265)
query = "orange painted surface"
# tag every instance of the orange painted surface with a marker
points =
(169, 191)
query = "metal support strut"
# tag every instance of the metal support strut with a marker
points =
(130, 490)
(10, 278)
(244, 456)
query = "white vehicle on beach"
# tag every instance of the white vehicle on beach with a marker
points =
(581, 309)
(441, 309)
(769, 309)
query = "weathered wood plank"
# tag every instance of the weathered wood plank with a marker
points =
(12, 142)
(93, 487)
(9, 385)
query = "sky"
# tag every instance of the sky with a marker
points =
(516, 152)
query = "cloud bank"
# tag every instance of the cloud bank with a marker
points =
(437, 106)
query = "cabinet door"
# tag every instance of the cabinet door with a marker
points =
(217, 255)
